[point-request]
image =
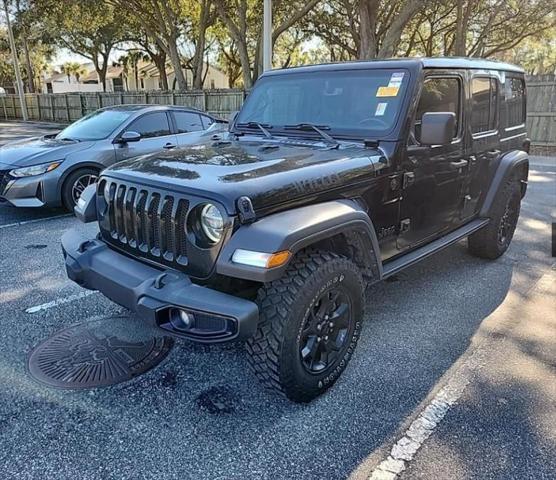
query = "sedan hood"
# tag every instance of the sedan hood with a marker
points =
(33, 151)
(267, 172)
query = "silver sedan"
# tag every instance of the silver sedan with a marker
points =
(53, 170)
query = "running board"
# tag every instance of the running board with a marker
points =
(395, 266)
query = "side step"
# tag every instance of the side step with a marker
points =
(395, 266)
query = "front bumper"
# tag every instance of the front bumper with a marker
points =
(35, 191)
(156, 294)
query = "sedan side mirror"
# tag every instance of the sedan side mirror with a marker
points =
(128, 137)
(437, 128)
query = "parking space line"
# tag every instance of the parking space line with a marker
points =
(36, 220)
(410, 441)
(59, 301)
(424, 425)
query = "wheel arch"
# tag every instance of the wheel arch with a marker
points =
(512, 164)
(74, 168)
(341, 226)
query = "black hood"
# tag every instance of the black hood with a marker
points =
(270, 173)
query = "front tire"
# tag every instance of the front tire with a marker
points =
(75, 184)
(493, 240)
(310, 321)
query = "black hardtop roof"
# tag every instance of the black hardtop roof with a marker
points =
(409, 63)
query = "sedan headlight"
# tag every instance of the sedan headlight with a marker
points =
(34, 170)
(212, 222)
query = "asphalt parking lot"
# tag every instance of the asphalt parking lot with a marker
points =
(475, 339)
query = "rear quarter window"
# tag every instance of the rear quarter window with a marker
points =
(515, 101)
(484, 101)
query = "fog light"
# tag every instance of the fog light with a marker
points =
(181, 320)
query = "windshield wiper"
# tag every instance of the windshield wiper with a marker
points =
(261, 126)
(68, 139)
(317, 128)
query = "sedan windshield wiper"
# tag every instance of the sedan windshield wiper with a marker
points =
(261, 126)
(68, 139)
(317, 128)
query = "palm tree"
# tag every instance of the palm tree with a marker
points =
(130, 63)
(73, 68)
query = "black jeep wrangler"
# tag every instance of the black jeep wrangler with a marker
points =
(331, 177)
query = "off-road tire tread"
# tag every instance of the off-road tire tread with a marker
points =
(275, 300)
(484, 243)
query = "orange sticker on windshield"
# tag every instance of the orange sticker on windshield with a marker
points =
(387, 91)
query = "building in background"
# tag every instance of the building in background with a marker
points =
(144, 77)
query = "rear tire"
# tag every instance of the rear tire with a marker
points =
(493, 240)
(310, 321)
(75, 183)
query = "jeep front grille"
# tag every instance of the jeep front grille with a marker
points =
(143, 221)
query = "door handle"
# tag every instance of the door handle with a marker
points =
(460, 164)
(169, 146)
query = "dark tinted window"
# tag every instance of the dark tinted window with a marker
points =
(151, 125)
(439, 95)
(483, 109)
(188, 122)
(515, 101)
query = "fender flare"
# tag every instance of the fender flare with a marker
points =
(510, 163)
(294, 230)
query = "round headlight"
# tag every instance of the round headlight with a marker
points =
(212, 222)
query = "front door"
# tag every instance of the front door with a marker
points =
(155, 132)
(434, 176)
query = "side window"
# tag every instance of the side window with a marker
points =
(207, 121)
(484, 101)
(439, 95)
(187, 122)
(515, 101)
(151, 125)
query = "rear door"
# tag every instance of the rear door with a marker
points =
(189, 126)
(155, 131)
(434, 176)
(485, 138)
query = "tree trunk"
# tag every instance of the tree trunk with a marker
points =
(197, 62)
(459, 44)
(392, 38)
(367, 30)
(161, 67)
(176, 63)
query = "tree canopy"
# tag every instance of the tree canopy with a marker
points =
(181, 35)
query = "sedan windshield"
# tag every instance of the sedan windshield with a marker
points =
(352, 103)
(95, 126)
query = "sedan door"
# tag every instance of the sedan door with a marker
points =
(189, 126)
(155, 132)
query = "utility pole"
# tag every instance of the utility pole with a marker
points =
(267, 35)
(16, 64)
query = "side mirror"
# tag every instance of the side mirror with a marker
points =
(129, 137)
(437, 128)
(232, 119)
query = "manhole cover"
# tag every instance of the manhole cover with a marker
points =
(97, 354)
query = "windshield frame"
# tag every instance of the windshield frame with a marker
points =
(130, 115)
(390, 134)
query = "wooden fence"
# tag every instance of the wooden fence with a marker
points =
(66, 108)
(541, 113)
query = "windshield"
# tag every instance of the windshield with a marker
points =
(95, 126)
(353, 103)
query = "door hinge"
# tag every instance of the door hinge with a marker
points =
(408, 179)
(405, 224)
